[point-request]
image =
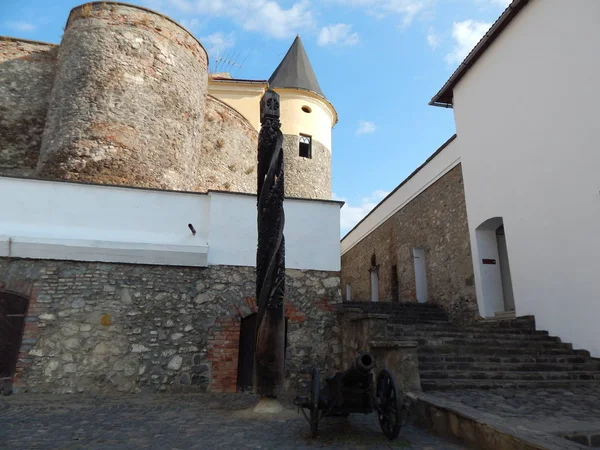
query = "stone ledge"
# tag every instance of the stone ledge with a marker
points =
(393, 344)
(366, 316)
(480, 429)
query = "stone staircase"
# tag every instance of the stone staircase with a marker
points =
(503, 352)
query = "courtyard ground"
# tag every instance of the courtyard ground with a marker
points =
(552, 418)
(170, 422)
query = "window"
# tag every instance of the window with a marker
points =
(306, 109)
(305, 150)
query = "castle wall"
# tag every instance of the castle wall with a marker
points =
(436, 221)
(307, 177)
(74, 221)
(27, 71)
(128, 100)
(105, 327)
(228, 150)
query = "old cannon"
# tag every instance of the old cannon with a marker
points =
(354, 391)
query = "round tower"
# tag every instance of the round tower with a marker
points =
(307, 118)
(128, 101)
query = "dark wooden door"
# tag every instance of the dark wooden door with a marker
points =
(246, 353)
(12, 320)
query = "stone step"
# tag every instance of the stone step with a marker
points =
(441, 327)
(435, 335)
(489, 342)
(508, 375)
(511, 359)
(499, 351)
(441, 385)
(509, 367)
(390, 305)
(416, 320)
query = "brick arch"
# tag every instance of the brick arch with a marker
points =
(224, 341)
(223, 346)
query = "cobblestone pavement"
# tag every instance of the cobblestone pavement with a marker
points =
(550, 410)
(178, 422)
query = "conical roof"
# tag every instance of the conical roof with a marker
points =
(295, 71)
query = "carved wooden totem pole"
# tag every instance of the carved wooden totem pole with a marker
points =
(270, 255)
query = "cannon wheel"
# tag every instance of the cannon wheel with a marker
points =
(389, 409)
(314, 402)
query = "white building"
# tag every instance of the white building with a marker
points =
(524, 102)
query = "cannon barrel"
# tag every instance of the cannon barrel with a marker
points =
(358, 371)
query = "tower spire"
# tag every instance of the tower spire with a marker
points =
(295, 70)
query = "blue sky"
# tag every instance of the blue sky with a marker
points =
(378, 61)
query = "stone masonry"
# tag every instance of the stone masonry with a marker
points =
(228, 152)
(26, 77)
(123, 101)
(121, 110)
(311, 177)
(104, 327)
(421, 223)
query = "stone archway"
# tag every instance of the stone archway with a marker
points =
(13, 308)
(495, 284)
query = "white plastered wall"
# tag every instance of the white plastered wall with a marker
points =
(71, 221)
(527, 123)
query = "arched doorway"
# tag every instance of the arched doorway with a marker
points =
(246, 353)
(247, 349)
(374, 279)
(494, 267)
(13, 308)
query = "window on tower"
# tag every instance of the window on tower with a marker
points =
(305, 150)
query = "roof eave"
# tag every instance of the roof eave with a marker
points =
(445, 97)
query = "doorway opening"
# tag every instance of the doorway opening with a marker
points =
(374, 274)
(395, 285)
(494, 267)
(247, 349)
(13, 308)
(420, 274)
(246, 353)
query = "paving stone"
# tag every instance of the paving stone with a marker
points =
(185, 422)
(549, 410)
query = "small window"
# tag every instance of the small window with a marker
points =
(305, 150)
(306, 109)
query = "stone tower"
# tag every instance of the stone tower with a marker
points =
(306, 118)
(127, 105)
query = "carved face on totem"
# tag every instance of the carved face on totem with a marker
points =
(269, 106)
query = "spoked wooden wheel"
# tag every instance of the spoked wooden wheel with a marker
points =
(389, 409)
(314, 402)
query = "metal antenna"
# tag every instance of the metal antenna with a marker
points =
(226, 61)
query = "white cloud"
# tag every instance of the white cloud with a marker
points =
(191, 24)
(259, 15)
(466, 35)
(365, 127)
(350, 214)
(217, 42)
(406, 9)
(433, 39)
(340, 33)
(20, 26)
(502, 3)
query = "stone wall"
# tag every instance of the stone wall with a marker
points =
(101, 327)
(228, 151)
(307, 177)
(436, 221)
(26, 75)
(128, 101)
